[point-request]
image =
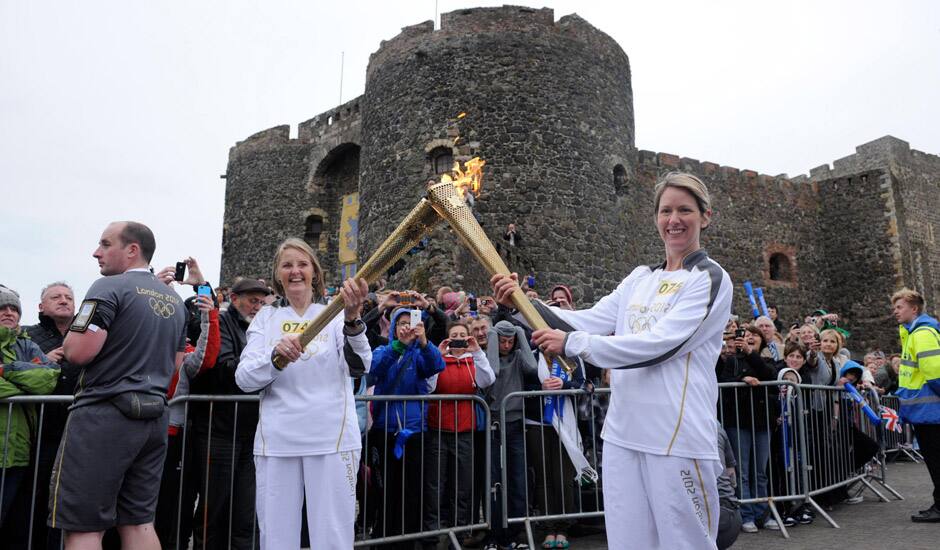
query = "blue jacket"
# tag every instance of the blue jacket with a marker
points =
(388, 378)
(919, 376)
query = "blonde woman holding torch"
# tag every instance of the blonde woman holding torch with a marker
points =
(307, 439)
(660, 331)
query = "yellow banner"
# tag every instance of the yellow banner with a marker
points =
(349, 229)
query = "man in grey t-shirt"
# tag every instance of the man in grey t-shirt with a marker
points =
(129, 338)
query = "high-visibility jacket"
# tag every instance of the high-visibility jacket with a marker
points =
(919, 375)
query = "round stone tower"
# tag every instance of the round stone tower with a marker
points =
(548, 106)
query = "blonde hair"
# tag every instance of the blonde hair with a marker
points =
(835, 334)
(911, 297)
(298, 244)
(686, 182)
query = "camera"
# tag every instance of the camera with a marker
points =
(739, 333)
(458, 343)
(405, 299)
(180, 272)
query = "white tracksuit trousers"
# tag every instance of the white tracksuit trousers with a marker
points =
(330, 484)
(659, 502)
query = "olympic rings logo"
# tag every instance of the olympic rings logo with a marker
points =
(161, 308)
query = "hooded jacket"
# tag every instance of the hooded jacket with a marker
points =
(28, 373)
(462, 375)
(511, 370)
(919, 375)
(399, 369)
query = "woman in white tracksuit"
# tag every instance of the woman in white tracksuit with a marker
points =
(661, 330)
(307, 440)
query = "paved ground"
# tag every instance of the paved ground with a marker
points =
(869, 525)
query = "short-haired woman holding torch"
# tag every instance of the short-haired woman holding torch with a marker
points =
(660, 331)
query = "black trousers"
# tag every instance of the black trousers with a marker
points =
(175, 514)
(928, 437)
(225, 514)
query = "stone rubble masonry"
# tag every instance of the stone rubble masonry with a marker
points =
(550, 108)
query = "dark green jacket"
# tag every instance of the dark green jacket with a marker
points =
(30, 373)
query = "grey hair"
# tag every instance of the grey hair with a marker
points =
(54, 284)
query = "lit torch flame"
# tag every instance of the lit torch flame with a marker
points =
(469, 178)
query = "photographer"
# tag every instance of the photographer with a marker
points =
(202, 350)
(743, 412)
(452, 425)
(561, 296)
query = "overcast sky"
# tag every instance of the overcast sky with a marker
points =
(126, 110)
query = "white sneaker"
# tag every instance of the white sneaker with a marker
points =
(772, 525)
(855, 500)
(749, 527)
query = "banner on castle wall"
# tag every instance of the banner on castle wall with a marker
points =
(349, 229)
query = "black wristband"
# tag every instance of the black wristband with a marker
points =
(273, 362)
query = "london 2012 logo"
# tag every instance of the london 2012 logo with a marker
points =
(161, 308)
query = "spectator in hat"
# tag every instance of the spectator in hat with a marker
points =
(24, 370)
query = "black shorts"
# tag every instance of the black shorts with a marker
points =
(107, 471)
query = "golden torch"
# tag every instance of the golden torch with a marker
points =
(447, 199)
(418, 223)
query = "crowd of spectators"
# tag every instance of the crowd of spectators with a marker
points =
(430, 454)
(812, 351)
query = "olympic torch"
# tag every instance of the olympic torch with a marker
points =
(418, 223)
(449, 203)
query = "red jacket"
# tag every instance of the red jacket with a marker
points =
(458, 377)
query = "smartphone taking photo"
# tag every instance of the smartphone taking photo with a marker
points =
(180, 272)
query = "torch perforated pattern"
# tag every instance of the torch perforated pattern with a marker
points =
(453, 208)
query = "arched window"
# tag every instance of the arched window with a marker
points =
(442, 160)
(313, 227)
(620, 179)
(780, 267)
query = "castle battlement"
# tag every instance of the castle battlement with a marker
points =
(876, 154)
(712, 170)
(420, 39)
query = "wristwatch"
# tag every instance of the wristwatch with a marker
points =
(351, 328)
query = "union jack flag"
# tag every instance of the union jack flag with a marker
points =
(890, 417)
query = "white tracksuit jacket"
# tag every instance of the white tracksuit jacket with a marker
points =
(307, 408)
(670, 322)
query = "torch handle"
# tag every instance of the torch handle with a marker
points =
(418, 223)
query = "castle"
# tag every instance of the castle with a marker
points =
(550, 108)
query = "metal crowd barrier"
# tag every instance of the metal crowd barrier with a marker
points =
(444, 505)
(764, 425)
(202, 504)
(814, 446)
(899, 444)
(551, 493)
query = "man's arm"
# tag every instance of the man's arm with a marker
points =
(81, 348)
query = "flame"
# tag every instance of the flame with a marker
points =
(469, 178)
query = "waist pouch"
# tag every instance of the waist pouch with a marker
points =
(139, 406)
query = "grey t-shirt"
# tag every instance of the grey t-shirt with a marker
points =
(145, 320)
